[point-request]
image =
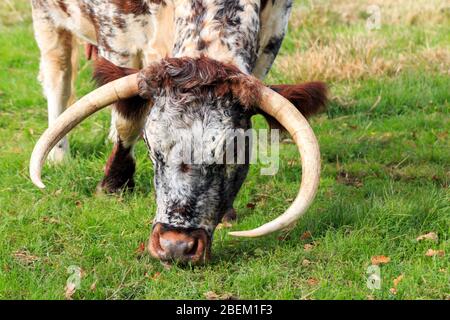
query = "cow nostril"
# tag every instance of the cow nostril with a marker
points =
(186, 247)
(192, 247)
(177, 249)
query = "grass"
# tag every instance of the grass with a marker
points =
(385, 179)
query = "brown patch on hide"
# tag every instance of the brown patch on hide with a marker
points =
(119, 170)
(105, 72)
(38, 3)
(309, 98)
(202, 44)
(63, 6)
(198, 11)
(264, 4)
(136, 7)
(119, 22)
(199, 77)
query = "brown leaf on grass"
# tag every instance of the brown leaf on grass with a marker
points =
(306, 262)
(69, 290)
(155, 276)
(429, 236)
(376, 260)
(25, 257)
(78, 204)
(308, 247)
(140, 249)
(432, 253)
(397, 280)
(211, 295)
(251, 205)
(93, 286)
(312, 281)
(306, 235)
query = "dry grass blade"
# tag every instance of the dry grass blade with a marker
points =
(429, 236)
(25, 257)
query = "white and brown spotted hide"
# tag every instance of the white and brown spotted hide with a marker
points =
(198, 45)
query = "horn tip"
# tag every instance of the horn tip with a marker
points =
(38, 183)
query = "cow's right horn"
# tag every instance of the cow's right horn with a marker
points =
(98, 99)
(298, 127)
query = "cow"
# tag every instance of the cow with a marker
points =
(170, 69)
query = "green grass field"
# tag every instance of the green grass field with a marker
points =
(385, 179)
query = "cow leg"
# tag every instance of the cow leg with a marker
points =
(57, 72)
(125, 132)
(127, 122)
(230, 216)
(119, 169)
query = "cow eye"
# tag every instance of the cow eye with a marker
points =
(185, 168)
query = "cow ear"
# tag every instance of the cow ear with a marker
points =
(106, 71)
(309, 98)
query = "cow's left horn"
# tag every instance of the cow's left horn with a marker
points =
(98, 99)
(298, 127)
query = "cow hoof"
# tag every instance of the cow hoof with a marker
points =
(230, 216)
(106, 187)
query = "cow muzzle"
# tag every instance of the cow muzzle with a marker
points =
(179, 245)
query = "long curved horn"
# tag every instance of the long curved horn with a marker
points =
(298, 127)
(98, 99)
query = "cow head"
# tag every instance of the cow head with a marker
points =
(195, 104)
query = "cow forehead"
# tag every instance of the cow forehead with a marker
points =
(203, 127)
